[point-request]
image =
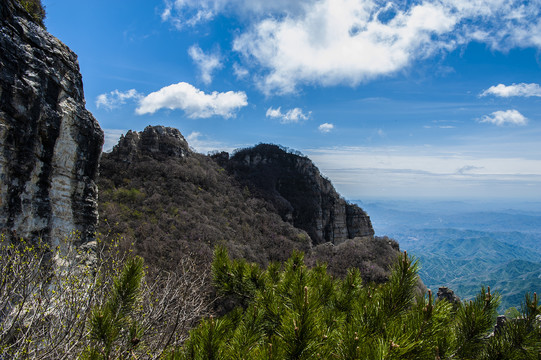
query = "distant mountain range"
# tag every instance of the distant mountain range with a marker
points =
(465, 245)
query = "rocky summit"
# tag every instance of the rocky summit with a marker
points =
(50, 144)
(159, 142)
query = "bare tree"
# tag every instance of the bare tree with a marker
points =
(47, 295)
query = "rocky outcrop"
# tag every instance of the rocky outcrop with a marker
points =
(157, 142)
(294, 185)
(444, 293)
(49, 143)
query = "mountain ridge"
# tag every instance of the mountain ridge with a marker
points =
(171, 201)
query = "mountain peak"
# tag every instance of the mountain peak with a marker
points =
(158, 142)
(299, 193)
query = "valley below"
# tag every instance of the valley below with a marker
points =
(464, 245)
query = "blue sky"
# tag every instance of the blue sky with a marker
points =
(423, 99)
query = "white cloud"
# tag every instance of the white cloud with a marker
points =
(203, 144)
(343, 41)
(325, 127)
(183, 13)
(329, 42)
(206, 63)
(116, 98)
(291, 116)
(500, 118)
(180, 14)
(240, 71)
(194, 102)
(194, 136)
(522, 89)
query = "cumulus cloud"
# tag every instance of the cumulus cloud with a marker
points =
(325, 127)
(343, 41)
(291, 116)
(522, 89)
(501, 118)
(194, 102)
(116, 98)
(329, 42)
(206, 63)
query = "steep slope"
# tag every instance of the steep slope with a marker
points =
(294, 185)
(49, 143)
(172, 202)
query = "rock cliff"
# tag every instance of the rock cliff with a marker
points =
(49, 143)
(294, 185)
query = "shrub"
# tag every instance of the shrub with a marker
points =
(68, 302)
(106, 307)
(36, 9)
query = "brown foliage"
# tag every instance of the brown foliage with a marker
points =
(45, 305)
(176, 207)
(372, 256)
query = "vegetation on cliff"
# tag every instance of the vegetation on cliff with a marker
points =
(176, 206)
(298, 192)
(36, 9)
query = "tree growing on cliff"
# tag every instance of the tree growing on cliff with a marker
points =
(36, 9)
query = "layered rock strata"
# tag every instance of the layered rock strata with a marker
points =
(49, 143)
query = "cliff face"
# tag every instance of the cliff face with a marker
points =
(49, 143)
(294, 185)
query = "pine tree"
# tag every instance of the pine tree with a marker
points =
(114, 331)
(293, 312)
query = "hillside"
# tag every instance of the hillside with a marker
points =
(464, 260)
(172, 202)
